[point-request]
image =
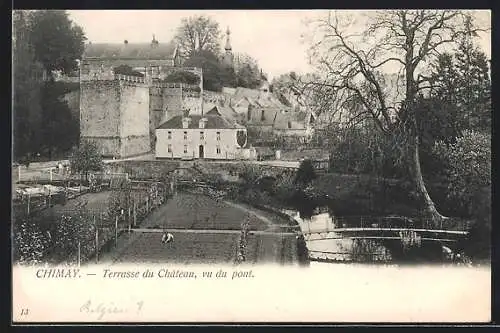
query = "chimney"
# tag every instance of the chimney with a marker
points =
(185, 122)
(203, 122)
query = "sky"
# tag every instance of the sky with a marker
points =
(272, 37)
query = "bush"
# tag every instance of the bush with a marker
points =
(183, 77)
(29, 243)
(306, 173)
(468, 168)
(86, 158)
(126, 70)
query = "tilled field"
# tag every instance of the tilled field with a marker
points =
(202, 248)
(191, 211)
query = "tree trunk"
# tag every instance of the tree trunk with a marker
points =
(428, 207)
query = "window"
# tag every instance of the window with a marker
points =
(185, 149)
(169, 135)
(185, 135)
(218, 150)
(289, 124)
(169, 148)
(202, 136)
(218, 136)
(262, 116)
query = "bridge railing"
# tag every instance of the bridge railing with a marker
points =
(392, 222)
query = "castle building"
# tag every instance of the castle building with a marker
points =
(121, 112)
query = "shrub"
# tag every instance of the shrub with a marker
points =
(86, 158)
(183, 77)
(468, 168)
(126, 70)
(306, 173)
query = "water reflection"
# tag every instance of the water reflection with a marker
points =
(338, 249)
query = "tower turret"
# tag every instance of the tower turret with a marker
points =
(228, 57)
(228, 41)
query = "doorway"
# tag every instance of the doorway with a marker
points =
(201, 152)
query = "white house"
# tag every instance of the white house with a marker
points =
(210, 136)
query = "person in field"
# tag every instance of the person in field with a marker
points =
(167, 238)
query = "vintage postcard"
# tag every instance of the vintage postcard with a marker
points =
(305, 166)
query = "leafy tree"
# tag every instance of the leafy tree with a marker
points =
(27, 74)
(212, 69)
(127, 70)
(86, 158)
(284, 81)
(44, 40)
(183, 77)
(352, 74)
(198, 33)
(56, 40)
(306, 173)
(60, 131)
(248, 74)
(462, 81)
(248, 77)
(468, 166)
(228, 77)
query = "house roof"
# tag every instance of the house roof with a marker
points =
(247, 92)
(262, 116)
(224, 111)
(213, 122)
(130, 51)
(296, 120)
(279, 118)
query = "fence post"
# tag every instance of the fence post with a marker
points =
(29, 199)
(19, 173)
(135, 214)
(79, 254)
(50, 173)
(96, 242)
(147, 204)
(116, 231)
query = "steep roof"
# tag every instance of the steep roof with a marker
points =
(262, 116)
(224, 111)
(296, 120)
(213, 122)
(247, 92)
(279, 118)
(130, 51)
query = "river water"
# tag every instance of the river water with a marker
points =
(338, 249)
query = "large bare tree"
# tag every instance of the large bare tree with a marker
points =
(354, 58)
(198, 33)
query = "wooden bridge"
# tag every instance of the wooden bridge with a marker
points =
(386, 234)
(387, 228)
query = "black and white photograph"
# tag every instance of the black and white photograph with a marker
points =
(198, 148)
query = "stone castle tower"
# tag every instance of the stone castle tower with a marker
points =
(121, 112)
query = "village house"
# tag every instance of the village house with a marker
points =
(210, 136)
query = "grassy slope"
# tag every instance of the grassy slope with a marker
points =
(364, 195)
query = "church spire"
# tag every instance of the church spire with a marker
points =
(154, 42)
(228, 40)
